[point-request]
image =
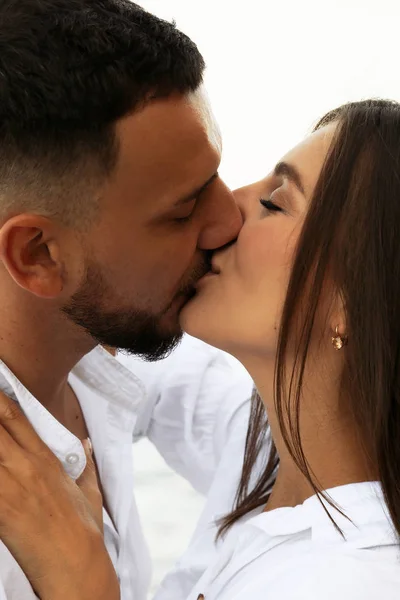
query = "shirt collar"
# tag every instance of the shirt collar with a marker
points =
(105, 374)
(364, 522)
(100, 371)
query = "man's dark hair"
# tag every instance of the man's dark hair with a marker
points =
(69, 69)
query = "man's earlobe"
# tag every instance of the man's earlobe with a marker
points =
(30, 252)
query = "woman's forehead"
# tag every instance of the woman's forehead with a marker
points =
(309, 156)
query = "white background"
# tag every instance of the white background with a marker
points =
(274, 67)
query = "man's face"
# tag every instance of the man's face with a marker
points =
(163, 210)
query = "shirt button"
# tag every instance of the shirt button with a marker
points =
(72, 459)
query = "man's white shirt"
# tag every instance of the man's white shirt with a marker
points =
(188, 405)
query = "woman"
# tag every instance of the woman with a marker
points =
(308, 299)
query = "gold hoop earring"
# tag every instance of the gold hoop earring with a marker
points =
(338, 341)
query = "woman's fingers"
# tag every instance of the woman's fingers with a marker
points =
(89, 486)
(9, 448)
(51, 526)
(14, 422)
(29, 462)
(11, 453)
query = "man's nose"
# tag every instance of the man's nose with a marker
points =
(243, 198)
(223, 221)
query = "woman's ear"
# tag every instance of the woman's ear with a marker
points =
(30, 251)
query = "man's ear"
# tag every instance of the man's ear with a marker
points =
(30, 251)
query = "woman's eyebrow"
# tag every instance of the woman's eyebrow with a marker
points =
(289, 171)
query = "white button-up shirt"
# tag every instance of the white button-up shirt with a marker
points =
(288, 553)
(187, 405)
(297, 554)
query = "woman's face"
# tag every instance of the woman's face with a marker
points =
(238, 309)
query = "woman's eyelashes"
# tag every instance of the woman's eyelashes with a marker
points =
(270, 205)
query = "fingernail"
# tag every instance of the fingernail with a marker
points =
(88, 445)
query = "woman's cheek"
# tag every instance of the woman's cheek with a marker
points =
(261, 251)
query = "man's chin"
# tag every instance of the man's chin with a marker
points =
(151, 335)
(160, 337)
(147, 336)
(150, 345)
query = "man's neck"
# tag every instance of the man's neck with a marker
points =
(41, 350)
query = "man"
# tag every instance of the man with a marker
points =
(110, 203)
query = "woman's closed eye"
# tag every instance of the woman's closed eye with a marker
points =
(270, 206)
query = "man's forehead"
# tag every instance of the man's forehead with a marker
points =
(168, 149)
(177, 118)
(202, 104)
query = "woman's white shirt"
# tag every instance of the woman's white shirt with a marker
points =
(297, 554)
(285, 554)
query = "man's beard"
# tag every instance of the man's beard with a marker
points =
(134, 331)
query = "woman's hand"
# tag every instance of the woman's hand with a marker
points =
(51, 525)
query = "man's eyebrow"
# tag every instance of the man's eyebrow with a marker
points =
(193, 195)
(289, 171)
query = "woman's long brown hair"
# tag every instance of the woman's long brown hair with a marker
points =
(352, 229)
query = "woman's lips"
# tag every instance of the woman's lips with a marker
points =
(215, 268)
(206, 277)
